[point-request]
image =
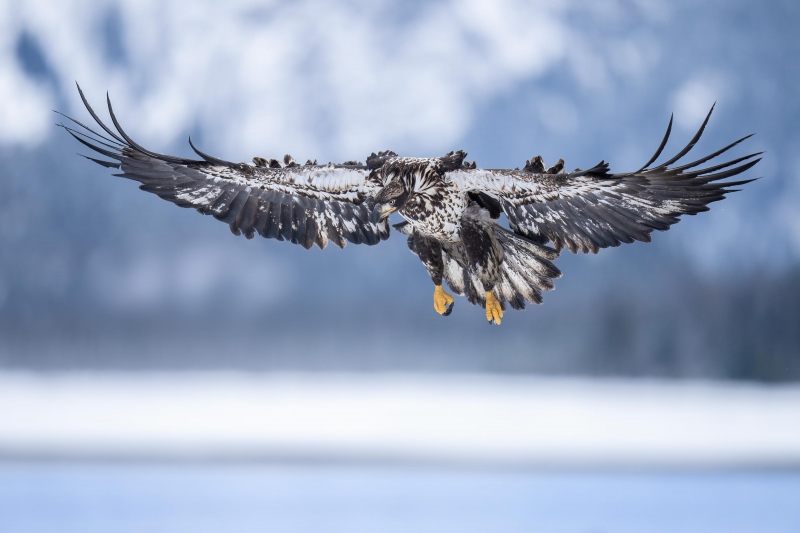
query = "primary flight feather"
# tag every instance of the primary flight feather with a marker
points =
(451, 208)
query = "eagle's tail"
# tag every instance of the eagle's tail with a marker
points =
(527, 270)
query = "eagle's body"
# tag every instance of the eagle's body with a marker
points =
(437, 203)
(451, 209)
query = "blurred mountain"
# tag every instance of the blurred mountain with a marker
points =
(95, 274)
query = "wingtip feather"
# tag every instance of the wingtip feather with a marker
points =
(660, 146)
(208, 158)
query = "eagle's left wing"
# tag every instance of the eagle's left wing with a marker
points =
(591, 209)
(305, 204)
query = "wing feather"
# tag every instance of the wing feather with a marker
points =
(307, 205)
(587, 210)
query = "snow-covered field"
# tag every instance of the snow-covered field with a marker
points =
(464, 420)
(89, 453)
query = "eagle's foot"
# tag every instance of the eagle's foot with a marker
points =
(442, 302)
(494, 312)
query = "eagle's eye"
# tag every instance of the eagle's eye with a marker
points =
(391, 198)
(393, 194)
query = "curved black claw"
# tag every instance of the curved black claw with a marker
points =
(449, 309)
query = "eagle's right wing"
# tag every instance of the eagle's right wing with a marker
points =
(305, 204)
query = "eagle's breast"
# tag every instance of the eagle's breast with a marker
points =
(435, 210)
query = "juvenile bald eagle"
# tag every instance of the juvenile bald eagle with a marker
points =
(451, 208)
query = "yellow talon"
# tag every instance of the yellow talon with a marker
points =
(442, 302)
(493, 310)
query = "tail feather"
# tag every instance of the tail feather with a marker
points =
(511, 295)
(454, 274)
(515, 288)
(527, 269)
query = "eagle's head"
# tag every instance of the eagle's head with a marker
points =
(391, 198)
(404, 177)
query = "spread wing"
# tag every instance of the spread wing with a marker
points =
(305, 204)
(591, 209)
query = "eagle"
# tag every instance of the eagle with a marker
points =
(450, 208)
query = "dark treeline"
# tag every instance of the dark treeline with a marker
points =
(730, 330)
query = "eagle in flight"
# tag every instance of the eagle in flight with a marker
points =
(451, 208)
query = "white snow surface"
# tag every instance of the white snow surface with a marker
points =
(462, 419)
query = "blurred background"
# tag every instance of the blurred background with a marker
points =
(156, 371)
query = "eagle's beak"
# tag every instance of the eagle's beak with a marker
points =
(382, 211)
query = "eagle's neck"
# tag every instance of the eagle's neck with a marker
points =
(427, 180)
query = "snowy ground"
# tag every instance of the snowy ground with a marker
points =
(463, 420)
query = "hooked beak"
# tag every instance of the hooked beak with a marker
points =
(382, 211)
